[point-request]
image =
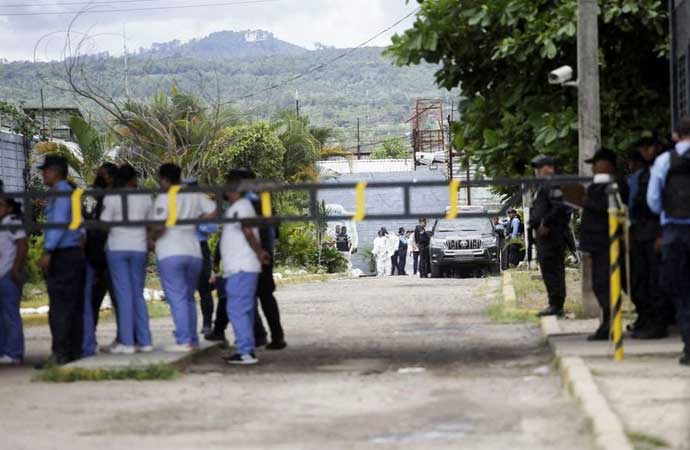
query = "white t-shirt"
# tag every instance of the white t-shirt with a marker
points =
(235, 251)
(181, 240)
(127, 239)
(8, 244)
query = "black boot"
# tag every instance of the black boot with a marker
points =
(602, 334)
(550, 311)
(684, 360)
(651, 331)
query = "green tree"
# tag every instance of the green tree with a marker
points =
(302, 149)
(500, 53)
(94, 150)
(254, 146)
(177, 128)
(392, 148)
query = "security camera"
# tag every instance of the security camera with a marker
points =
(562, 75)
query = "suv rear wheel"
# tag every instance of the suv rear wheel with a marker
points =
(435, 271)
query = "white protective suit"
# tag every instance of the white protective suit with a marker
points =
(393, 244)
(380, 252)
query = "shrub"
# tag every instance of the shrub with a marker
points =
(33, 272)
(331, 260)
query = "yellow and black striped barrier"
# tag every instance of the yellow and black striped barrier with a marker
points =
(617, 223)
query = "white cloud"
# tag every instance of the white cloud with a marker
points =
(342, 23)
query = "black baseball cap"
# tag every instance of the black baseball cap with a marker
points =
(603, 154)
(52, 160)
(542, 160)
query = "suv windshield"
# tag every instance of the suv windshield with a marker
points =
(479, 224)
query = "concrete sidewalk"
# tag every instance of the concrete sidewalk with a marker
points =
(38, 348)
(649, 391)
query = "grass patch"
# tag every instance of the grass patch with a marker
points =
(642, 441)
(499, 313)
(70, 375)
(531, 292)
(299, 279)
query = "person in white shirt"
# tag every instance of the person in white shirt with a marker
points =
(13, 251)
(127, 254)
(242, 257)
(179, 255)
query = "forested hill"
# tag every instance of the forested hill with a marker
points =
(364, 84)
(226, 45)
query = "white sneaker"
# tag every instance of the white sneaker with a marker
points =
(178, 348)
(108, 348)
(8, 361)
(120, 349)
(144, 348)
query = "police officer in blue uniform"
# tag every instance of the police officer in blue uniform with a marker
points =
(64, 265)
(549, 218)
(653, 310)
(668, 194)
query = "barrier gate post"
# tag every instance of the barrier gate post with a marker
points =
(615, 234)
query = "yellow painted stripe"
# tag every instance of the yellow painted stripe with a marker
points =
(77, 218)
(172, 205)
(453, 190)
(615, 288)
(266, 209)
(360, 190)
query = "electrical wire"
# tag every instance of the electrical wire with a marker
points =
(147, 8)
(84, 3)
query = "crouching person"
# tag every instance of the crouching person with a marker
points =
(242, 257)
(179, 255)
(13, 251)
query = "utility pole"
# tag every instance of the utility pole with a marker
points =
(43, 115)
(297, 102)
(450, 140)
(359, 147)
(124, 43)
(589, 118)
(589, 109)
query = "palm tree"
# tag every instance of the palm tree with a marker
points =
(175, 128)
(93, 146)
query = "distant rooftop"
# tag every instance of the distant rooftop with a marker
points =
(343, 166)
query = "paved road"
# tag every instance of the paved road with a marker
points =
(373, 363)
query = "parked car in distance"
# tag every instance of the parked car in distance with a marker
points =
(466, 245)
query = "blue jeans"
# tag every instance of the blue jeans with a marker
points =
(89, 343)
(241, 292)
(179, 277)
(128, 274)
(11, 331)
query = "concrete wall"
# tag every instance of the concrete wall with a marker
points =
(425, 200)
(12, 161)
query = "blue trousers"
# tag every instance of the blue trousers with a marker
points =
(179, 276)
(89, 343)
(128, 274)
(241, 292)
(675, 260)
(11, 331)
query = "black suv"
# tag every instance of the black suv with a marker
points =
(468, 245)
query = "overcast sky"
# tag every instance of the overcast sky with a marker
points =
(342, 23)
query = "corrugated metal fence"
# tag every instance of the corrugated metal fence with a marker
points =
(12, 161)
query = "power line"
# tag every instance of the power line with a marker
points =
(87, 3)
(147, 8)
(325, 64)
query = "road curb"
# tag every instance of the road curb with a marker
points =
(577, 378)
(606, 426)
